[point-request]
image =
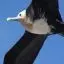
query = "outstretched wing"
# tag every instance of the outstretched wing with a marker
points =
(26, 49)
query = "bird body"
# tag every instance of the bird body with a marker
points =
(40, 19)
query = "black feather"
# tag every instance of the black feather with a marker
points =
(48, 8)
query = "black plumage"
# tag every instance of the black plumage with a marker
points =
(27, 48)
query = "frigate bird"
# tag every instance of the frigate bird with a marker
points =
(41, 19)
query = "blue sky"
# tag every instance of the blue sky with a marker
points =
(53, 50)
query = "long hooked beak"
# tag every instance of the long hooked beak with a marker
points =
(17, 18)
(14, 18)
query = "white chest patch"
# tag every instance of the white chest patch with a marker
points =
(38, 27)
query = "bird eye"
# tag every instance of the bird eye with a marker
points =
(19, 14)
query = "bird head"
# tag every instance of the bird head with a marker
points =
(20, 17)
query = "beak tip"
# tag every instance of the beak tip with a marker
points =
(8, 19)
